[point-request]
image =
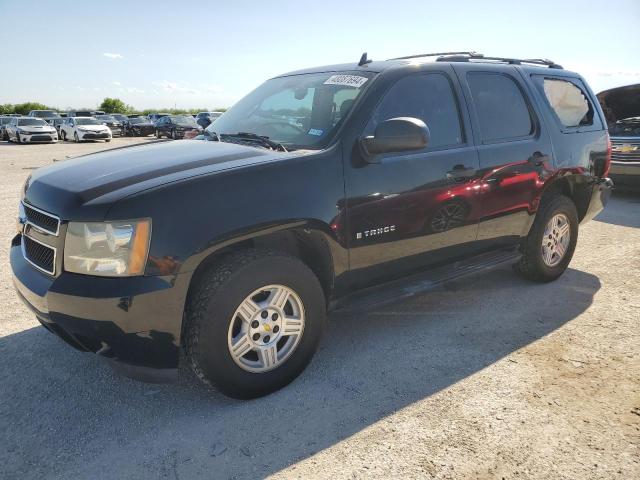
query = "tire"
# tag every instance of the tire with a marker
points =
(107, 140)
(75, 137)
(157, 134)
(533, 265)
(173, 135)
(217, 295)
(63, 135)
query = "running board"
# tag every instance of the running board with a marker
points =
(421, 282)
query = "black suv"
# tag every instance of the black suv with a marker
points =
(324, 187)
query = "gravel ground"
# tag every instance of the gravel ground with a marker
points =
(486, 377)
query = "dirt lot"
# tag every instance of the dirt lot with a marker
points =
(487, 377)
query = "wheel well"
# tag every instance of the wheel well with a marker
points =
(307, 245)
(576, 188)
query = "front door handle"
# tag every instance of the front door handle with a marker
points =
(460, 172)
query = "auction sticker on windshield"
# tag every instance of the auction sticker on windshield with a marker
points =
(348, 80)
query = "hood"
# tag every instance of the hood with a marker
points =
(37, 128)
(620, 103)
(84, 188)
(93, 128)
(145, 124)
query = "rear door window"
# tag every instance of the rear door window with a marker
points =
(502, 111)
(568, 101)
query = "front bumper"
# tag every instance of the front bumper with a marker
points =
(39, 137)
(94, 135)
(143, 132)
(134, 321)
(625, 173)
(600, 194)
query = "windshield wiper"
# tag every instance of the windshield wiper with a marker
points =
(252, 137)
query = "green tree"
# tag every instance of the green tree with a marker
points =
(25, 108)
(114, 105)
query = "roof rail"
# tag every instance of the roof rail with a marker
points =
(469, 54)
(512, 61)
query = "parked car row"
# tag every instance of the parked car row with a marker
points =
(49, 126)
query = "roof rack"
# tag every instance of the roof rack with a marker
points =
(465, 57)
(470, 54)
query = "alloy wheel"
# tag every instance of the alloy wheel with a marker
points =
(266, 328)
(556, 238)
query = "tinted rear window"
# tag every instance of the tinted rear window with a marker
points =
(502, 110)
(568, 102)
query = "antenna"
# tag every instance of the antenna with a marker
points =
(364, 60)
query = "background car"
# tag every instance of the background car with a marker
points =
(138, 127)
(175, 126)
(44, 114)
(204, 119)
(621, 107)
(110, 121)
(30, 130)
(120, 117)
(84, 128)
(4, 121)
(79, 113)
(154, 117)
(55, 123)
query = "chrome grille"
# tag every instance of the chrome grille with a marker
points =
(625, 149)
(41, 220)
(41, 256)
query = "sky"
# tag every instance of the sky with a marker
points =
(209, 54)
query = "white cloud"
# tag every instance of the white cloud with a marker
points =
(214, 89)
(117, 84)
(112, 55)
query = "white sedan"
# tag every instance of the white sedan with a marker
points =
(84, 128)
(30, 130)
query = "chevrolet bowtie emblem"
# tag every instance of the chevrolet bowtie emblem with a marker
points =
(626, 148)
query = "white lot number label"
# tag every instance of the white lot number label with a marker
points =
(348, 80)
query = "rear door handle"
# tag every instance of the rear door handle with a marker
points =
(538, 158)
(460, 172)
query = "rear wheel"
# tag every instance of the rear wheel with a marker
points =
(549, 247)
(254, 322)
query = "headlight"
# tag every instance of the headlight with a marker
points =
(80, 129)
(24, 132)
(109, 249)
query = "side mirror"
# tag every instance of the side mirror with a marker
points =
(400, 134)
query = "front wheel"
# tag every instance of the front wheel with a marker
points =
(549, 247)
(157, 134)
(254, 322)
(75, 137)
(174, 136)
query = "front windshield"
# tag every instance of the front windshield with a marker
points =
(299, 111)
(31, 122)
(5, 120)
(183, 120)
(87, 121)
